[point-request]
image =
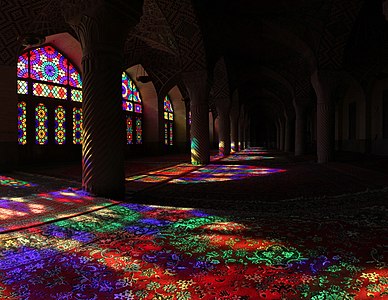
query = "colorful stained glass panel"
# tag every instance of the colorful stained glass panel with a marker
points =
(135, 95)
(77, 126)
(60, 127)
(49, 91)
(138, 108)
(129, 130)
(22, 66)
(171, 135)
(167, 104)
(166, 115)
(171, 116)
(47, 64)
(138, 131)
(74, 77)
(22, 125)
(41, 126)
(22, 87)
(165, 133)
(125, 89)
(127, 106)
(76, 95)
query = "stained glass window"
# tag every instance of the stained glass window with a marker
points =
(76, 95)
(132, 106)
(168, 115)
(165, 133)
(168, 110)
(77, 126)
(22, 126)
(139, 133)
(129, 130)
(46, 73)
(48, 90)
(47, 64)
(60, 127)
(74, 77)
(41, 128)
(22, 66)
(22, 87)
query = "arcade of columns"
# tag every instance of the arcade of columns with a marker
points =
(102, 150)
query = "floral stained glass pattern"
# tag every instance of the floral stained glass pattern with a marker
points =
(165, 133)
(139, 134)
(171, 135)
(168, 110)
(168, 115)
(74, 77)
(50, 91)
(132, 107)
(22, 87)
(47, 64)
(76, 95)
(60, 127)
(41, 128)
(127, 106)
(22, 126)
(22, 66)
(46, 73)
(77, 126)
(129, 130)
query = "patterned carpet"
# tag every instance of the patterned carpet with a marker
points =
(319, 247)
(133, 251)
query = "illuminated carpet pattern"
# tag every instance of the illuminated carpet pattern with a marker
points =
(218, 173)
(141, 252)
(139, 182)
(186, 174)
(242, 158)
(6, 181)
(26, 211)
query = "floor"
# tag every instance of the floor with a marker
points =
(255, 225)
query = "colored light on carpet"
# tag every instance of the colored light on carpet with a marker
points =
(162, 175)
(35, 209)
(246, 158)
(218, 173)
(132, 251)
(15, 183)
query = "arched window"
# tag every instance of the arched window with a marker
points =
(49, 90)
(133, 109)
(168, 121)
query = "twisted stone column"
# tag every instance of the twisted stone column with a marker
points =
(241, 129)
(277, 135)
(282, 136)
(223, 109)
(300, 130)
(325, 118)
(234, 113)
(198, 89)
(289, 122)
(102, 28)
(247, 132)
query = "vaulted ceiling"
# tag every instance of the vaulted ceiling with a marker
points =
(270, 48)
